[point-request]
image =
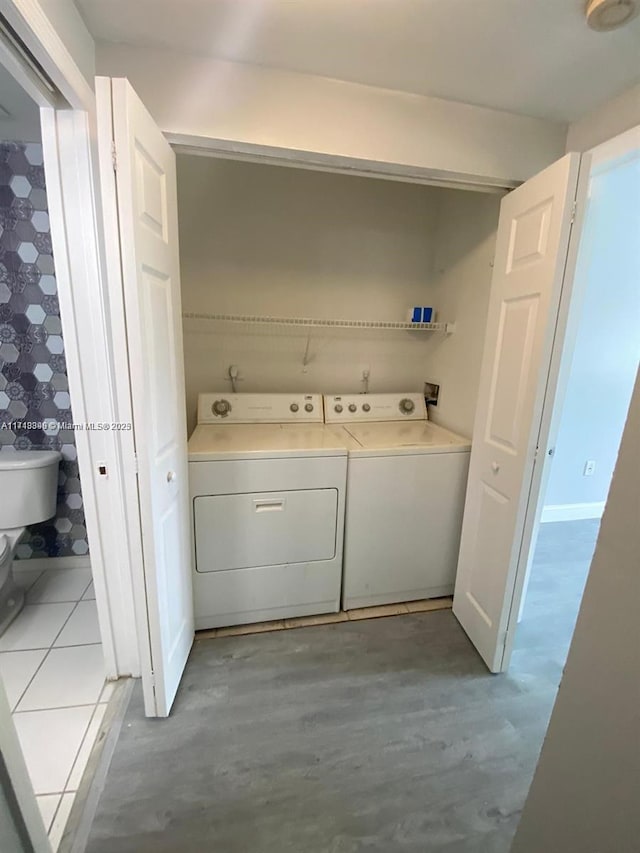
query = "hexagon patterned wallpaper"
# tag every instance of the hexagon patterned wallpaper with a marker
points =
(34, 394)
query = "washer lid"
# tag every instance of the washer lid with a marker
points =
(10, 460)
(409, 437)
(212, 442)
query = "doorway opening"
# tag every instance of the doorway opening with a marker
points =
(52, 660)
(600, 366)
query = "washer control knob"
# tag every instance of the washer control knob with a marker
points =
(353, 407)
(366, 407)
(407, 406)
(221, 408)
(294, 407)
(337, 408)
(308, 407)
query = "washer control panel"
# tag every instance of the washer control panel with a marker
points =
(351, 408)
(226, 408)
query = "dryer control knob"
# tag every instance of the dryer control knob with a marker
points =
(366, 407)
(337, 408)
(353, 407)
(308, 407)
(407, 406)
(221, 408)
(294, 407)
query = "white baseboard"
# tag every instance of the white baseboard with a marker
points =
(42, 563)
(572, 512)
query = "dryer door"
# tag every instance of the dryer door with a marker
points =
(265, 529)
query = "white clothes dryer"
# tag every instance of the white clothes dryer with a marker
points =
(267, 485)
(406, 487)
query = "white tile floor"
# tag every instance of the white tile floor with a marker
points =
(53, 670)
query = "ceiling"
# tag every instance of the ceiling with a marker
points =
(535, 57)
(19, 115)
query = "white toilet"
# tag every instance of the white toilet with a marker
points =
(28, 488)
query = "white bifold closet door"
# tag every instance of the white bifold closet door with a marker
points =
(517, 380)
(144, 173)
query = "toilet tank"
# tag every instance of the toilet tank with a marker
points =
(28, 486)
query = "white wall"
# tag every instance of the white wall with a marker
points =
(584, 795)
(607, 349)
(23, 129)
(68, 23)
(268, 240)
(19, 115)
(272, 240)
(463, 264)
(200, 97)
(613, 117)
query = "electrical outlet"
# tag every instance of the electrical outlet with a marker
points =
(431, 392)
(589, 467)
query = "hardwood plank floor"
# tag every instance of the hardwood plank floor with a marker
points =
(385, 735)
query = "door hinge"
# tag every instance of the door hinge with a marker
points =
(135, 462)
(574, 208)
(502, 639)
(114, 156)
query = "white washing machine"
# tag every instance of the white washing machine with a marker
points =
(267, 483)
(406, 487)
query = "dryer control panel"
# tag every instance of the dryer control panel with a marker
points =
(352, 408)
(226, 408)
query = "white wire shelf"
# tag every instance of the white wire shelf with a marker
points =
(314, 323)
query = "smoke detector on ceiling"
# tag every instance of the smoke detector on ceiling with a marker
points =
(604, 15)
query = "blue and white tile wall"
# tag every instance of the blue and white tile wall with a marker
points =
(33, 377)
